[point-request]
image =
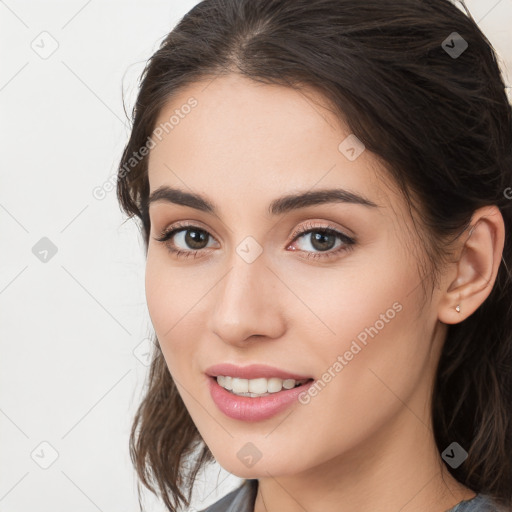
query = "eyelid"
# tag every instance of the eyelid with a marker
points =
(309, 226)
(184, 225)
(347, 241)
(301, 230)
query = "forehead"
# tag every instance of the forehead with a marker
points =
(242, 138)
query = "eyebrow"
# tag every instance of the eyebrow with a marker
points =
(278, 206)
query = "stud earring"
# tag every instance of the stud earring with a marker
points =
(457, 308)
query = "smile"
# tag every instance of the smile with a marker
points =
(248, 406)
(256, 387)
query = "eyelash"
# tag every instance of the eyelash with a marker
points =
(348, 242)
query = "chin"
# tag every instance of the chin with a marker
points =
(277, 465)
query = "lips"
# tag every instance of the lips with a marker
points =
(249, 409)
(253, 371)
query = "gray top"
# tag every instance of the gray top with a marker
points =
(243, 497)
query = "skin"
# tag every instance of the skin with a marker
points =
(365, 442)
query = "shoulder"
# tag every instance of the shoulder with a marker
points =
(240, 499)
(480, 503)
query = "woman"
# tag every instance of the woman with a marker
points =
(322, 190)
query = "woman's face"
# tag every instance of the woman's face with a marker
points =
(345, 309)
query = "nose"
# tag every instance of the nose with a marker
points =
(247, 303)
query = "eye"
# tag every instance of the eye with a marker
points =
(193, 240)
(324, 240)
(185, 235)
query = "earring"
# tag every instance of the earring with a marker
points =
(457, 308)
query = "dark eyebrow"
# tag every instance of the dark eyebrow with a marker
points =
(316, 197)
(277, 206)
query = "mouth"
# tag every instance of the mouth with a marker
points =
(255, 392)
(258, 387)
(240, 403)
(253, 371)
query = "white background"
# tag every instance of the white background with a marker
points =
(69, 327)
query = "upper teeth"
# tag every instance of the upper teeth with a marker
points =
(259, 386)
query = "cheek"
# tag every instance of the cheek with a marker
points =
(368, 338)
(170, 305)
(159, 289)
(169, 293)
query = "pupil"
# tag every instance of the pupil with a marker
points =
(194, 237)
(321, 238)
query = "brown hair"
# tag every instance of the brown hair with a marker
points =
(442, 124)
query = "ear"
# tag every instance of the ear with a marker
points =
(475, 271)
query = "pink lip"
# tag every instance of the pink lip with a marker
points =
(247, 408)
(253, 371)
